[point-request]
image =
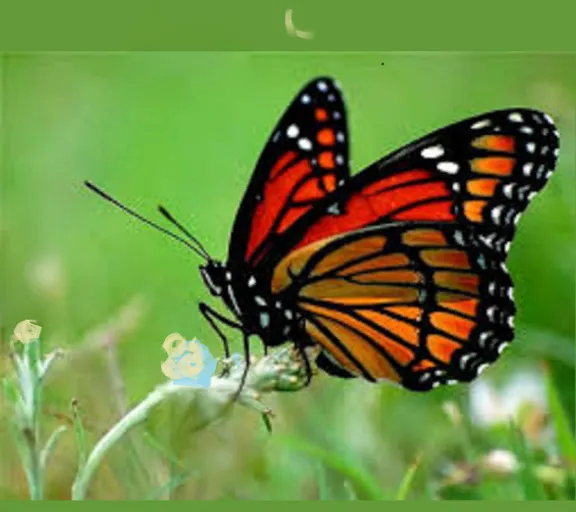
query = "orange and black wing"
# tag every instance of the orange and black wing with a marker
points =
(481, 172)
(305, 160)
(420, 305)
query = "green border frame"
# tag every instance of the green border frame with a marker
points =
(441, 25)
(128, 25)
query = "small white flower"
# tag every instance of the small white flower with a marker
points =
(500, 461)
(489, 406)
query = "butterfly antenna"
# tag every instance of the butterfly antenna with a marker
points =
(171, 219)
(129, 211)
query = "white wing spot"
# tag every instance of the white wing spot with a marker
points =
(481, 368)
(548, 118)
(481, 124)
(516, 117)
(530, 147)
(331, 97)
(510, 292)
(490, 313)
(508, 190)
(531, 195)
(252, 281)
(292, 131)
(527, 168)
(305, 98)
(527, 129)
(259, 300)
(449, 167)
(322, 86)
(548, 174)
(517, 218)
(339, 159)
(305, 144)
(507, 246)
(264, 320)
(492, 288)
(464, 359)
(459, 237)
(488, 240)
(456, 187)
(497, 213)
(556, 151)
(340, 137)
(432, 152)
(501, 347)
(336, 115)
(544, 150)
(484, 337)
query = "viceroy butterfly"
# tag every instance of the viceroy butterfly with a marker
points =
(397, 273)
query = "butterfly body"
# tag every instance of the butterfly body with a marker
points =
(272, 317)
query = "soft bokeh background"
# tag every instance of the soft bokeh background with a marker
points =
(185, 129)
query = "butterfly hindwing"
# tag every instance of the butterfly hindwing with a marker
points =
(305, 159)
(420, 305)
(481, 172)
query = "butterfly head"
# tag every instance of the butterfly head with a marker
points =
(214, 275)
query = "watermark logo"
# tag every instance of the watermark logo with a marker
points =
(189, 362)
(27, 331)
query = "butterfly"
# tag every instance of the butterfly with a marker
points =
(397, 273)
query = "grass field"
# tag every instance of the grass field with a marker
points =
(185, 129)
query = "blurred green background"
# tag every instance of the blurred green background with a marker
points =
(185, 129)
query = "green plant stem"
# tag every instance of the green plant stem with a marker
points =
(134, 417)
(34, 470)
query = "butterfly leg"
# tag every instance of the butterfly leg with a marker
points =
(304, 356)
(211, 316)
(246, 367)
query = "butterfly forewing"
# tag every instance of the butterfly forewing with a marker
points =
(481, 172)
(305, 159)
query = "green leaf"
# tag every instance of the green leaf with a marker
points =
(49, 446)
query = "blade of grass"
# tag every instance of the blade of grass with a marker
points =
(80, 433)
(566, 439)
(408, 479)
(169, 486)
(532, 488)
(365, 486)
(349, 490)
(324, 493)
